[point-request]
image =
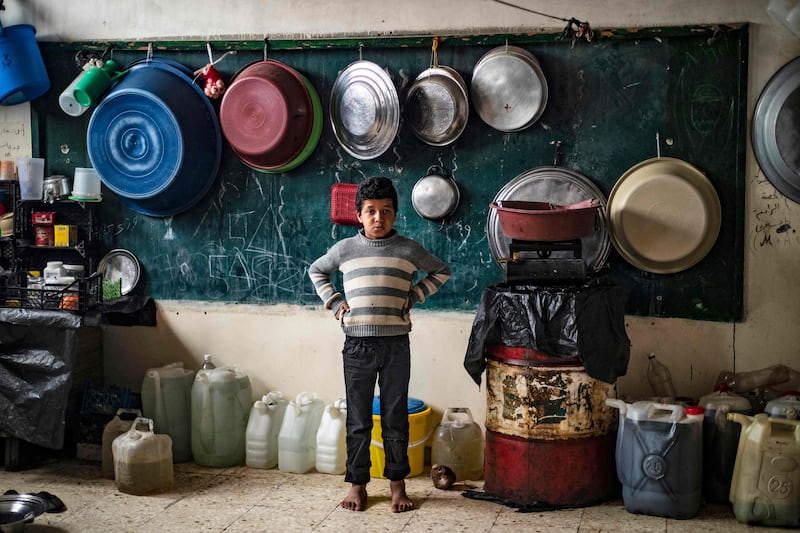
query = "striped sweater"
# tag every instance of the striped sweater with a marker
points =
(378, 277)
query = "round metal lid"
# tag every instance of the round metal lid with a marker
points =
(437, 106)
(365, 110)
(664, 215)
(509, 90)
(559, 186)
(776, 130)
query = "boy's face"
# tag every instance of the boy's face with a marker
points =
(377, 216)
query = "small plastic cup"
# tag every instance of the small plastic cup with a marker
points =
(31, 178)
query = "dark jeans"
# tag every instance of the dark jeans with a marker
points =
(387, 360)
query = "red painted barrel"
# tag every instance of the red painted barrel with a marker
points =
(549, 434)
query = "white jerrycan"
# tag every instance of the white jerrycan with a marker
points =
(331, 445)
(263, 427)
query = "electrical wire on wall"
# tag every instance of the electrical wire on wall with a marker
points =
(575, 29)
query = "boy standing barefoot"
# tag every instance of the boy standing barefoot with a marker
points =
(378, 269)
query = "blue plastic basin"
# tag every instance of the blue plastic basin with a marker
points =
(155, 139)
(22, 73)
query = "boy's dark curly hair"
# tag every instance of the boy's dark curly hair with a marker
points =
(376, 188)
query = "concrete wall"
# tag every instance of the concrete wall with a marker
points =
(293, 348)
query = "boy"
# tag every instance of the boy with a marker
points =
(378, 267)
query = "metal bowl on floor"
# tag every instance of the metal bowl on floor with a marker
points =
(18, 509)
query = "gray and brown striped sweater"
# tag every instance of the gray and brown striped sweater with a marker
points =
(378, 277)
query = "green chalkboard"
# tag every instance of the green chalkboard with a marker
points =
(253, 236)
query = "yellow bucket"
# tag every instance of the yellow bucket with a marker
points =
(418, 435)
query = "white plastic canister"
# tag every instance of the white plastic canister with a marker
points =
(263, 427)
(331, 439)
(297, 440)
(221, 401)
(166, 399)
(142, 460)
(458, 444)
(118, 425)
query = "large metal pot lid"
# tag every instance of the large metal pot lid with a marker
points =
(365, 110)
(509, 90)
(437, 106)
(558, 186)
(776, 130)
(664, 215)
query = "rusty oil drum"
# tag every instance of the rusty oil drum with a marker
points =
(549, 435)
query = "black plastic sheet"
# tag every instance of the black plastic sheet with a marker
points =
(37, 355)
(586, 321)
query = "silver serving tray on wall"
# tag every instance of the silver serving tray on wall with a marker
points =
(776, 130)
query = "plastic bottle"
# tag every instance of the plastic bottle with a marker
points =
(261, 435)
(208, 364)
(167, 401)
(118, 425)
(331, 445)
(142, 460)
(458, 444)
(297, 440)
(660, 378)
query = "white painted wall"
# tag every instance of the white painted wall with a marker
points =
(293, 348)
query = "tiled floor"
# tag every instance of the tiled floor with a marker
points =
(242, 499)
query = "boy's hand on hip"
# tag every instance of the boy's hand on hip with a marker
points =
(343, 309)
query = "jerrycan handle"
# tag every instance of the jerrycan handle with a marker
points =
(140, 420)
(207, 416)
(676, 411)
(619, 404)
(161, 411)
(457, 414)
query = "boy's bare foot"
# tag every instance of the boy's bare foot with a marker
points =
(400, 501)
(356, 499)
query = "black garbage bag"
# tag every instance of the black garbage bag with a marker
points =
(37, 355)
(586, 321)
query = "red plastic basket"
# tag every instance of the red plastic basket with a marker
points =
(343, 204)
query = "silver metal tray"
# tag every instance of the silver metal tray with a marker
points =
(509, 90)
(121, 264)
(558, 186)
(776, 130)
(365, 110)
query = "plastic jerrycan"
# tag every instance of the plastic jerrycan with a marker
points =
(297, 440)
(458, 444)
(166, 400)
(118, 425)
(720, 441)
(142, 460)
(659, 456)
(786, 406)
(331, 439)
(765, 488)
(263, 426)
(221, 400)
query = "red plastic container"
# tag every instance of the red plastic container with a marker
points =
(343, 204)
(543, 221)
